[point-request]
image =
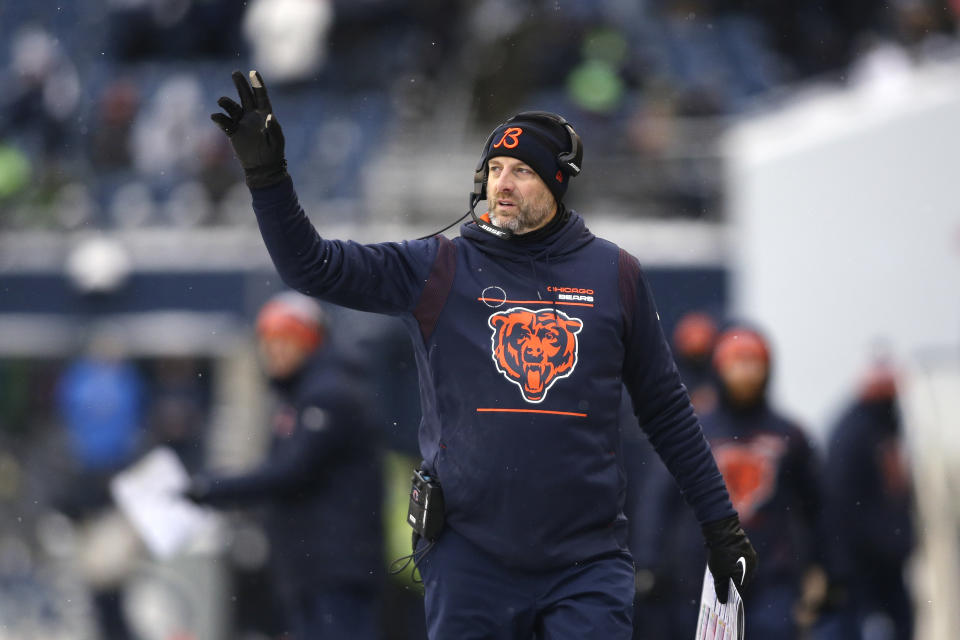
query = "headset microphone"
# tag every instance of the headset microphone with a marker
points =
(489, 227)
(500, 232)
(436, 233)
(475, 199)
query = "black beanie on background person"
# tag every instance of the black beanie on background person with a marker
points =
(537, 143)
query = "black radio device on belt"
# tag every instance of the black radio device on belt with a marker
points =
(426, 506)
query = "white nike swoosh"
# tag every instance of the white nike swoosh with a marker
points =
(743, 566)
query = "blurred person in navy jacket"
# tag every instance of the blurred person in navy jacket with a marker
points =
(321, 483)
(773, 477)
(870, 502)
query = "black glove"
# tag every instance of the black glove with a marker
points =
(730, 554)
(253, 131)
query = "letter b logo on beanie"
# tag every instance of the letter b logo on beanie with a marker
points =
(510, 139)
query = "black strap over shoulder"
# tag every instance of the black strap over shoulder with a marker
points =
(629, 279)
(437, 289)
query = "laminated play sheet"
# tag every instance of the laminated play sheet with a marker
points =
(149, 493)
(719, 621)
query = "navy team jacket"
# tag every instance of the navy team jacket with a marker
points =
(321, 486)
(523, 349)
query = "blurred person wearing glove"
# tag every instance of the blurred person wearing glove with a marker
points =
(526, 328)
(775, 481)
(320, 486)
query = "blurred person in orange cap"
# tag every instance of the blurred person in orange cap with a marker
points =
(693, 340)
(774, 479)
(870, 502)
(320, 485)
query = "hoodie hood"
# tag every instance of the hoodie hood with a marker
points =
(567, 239)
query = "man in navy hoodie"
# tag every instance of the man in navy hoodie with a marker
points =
(525, 330)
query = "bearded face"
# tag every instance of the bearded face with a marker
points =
(519, 199)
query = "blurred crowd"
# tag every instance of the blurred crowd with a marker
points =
(67, 426)
(832, 521)
(103, 121)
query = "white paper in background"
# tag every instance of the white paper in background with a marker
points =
(149, 493)
(719, 621)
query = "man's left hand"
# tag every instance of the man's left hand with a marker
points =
(730, 554)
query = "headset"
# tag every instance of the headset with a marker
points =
(570, 162)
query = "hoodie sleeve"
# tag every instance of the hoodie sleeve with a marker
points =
(661, 401)
(324, 433)
(382, 278)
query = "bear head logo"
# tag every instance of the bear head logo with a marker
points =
(533, 349)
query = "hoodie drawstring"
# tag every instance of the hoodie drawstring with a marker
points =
(538, 283)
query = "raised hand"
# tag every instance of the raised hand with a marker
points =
(253, 131)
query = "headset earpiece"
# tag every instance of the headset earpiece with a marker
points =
(480, 172)
(480, 183)
(570, 161)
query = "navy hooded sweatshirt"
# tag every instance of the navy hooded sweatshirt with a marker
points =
(523, 347)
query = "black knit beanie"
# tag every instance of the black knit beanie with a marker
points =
(537, 143)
